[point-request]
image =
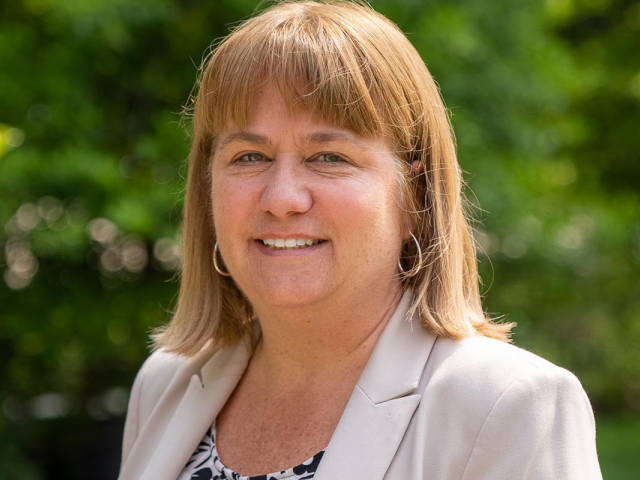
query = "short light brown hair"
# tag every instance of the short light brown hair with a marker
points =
(361, 73)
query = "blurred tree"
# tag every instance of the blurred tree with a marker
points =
(545, 100)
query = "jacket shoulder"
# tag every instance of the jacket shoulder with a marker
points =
(157, 372)
(485, 397)
(521, 402)
(473, 374)
(485, 366)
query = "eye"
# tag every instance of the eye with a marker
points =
(329, 158)
(251, 158)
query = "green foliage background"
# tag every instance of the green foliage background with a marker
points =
(545, 101)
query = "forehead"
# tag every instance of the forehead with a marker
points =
(269, 111)
(270, 115)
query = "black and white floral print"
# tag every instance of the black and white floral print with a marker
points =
(205, 464)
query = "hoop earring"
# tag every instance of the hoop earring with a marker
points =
(416, 267)
(215, 262)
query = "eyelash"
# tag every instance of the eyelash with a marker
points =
(241, 158)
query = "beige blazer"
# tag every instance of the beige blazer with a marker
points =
(425, 407)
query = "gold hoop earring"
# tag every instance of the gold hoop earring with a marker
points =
(416, 267)
(215, 262)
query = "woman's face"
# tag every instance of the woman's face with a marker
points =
(287, 179)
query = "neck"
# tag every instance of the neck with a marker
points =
(331, 340)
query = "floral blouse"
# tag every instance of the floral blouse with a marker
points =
(205, 464)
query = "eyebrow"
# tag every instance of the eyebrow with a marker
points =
(244, 137)
(326, 137)
(316, 138)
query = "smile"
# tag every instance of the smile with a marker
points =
(290, 243)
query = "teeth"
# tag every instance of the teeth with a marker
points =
(289, 243)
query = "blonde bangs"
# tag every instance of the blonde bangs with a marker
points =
(315, 61)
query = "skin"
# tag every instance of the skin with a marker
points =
(321, 309)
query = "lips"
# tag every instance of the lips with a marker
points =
(290, 243)
(277, 247)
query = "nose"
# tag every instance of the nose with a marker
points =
(285, 191)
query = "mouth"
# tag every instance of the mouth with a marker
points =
(289, 243)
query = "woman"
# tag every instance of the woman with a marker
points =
(329, 323)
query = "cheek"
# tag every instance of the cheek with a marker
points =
(365, 215)
(231, 202)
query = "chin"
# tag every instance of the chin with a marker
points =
(291, 294)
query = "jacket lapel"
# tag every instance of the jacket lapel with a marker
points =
(382, 403)
(205, 396)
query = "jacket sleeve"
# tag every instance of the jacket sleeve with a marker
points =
(542, 427)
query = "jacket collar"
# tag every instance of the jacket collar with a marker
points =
(370, 429)
(398, 359)
(383, 402)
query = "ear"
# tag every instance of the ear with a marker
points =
(407, 227)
